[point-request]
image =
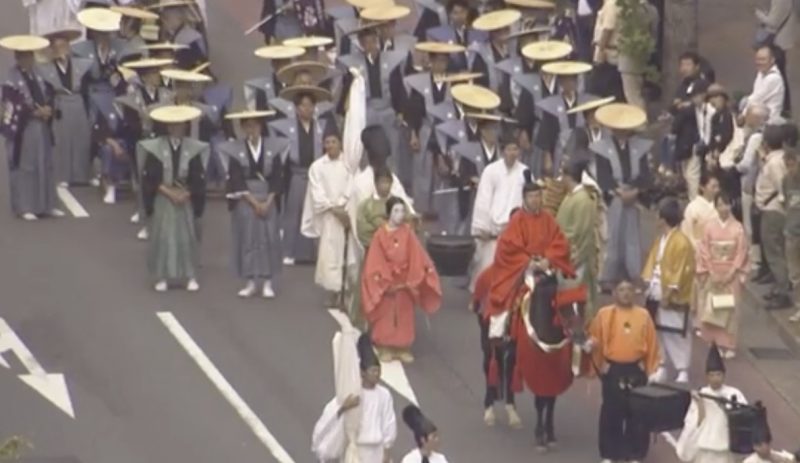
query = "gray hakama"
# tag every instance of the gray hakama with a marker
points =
(99, 79)
(304, 148)
(173, 244)
(470, 158)
(71, 127)
(29, 144)
(483, 58)
(424, 95)
(256, 241)
(617, 166)
(385, 94)
(556, 126)
(220, 98)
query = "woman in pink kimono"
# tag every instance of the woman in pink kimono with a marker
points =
(722, 270)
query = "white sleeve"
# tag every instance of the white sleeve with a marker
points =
(328, 439)
(388, 422)
(482, 210)
(687, 446)
(320, 202)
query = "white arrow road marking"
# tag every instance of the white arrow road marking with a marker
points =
(224, 387)
(51, 385)
(71, 203)
(392, 373)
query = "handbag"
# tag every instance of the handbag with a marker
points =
(719, 309)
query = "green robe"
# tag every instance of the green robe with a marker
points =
(371, 215)
(578, 218)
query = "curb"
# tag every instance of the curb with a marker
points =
(786, 334)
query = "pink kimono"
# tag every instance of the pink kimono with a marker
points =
(722, 260)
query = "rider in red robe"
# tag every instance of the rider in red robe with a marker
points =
(533, 240)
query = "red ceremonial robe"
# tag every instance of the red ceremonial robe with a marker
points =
(527, 235)
(397, 275)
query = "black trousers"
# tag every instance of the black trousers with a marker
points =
(621, 437)
(505, 356)
(585, 35)
(780, 61)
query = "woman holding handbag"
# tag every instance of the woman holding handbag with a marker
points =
(721, 269)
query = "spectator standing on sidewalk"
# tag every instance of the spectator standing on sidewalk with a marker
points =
(773, 218)
(747, 163)
(586, 15)
(768, 87)
(791, 201)
(781, 22)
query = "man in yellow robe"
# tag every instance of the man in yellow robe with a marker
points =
(669, 273)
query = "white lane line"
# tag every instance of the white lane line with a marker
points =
(392, 373)
(224, 387)
(71, 203)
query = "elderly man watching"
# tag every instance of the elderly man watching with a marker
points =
(768, 87)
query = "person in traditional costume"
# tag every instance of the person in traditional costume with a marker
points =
(722, 269)
(531, 83)
(532, 255)
(426, 437)
(578, 218)
(132, 44)
(317, 49)
(499, 192)
(377, 427)
(624, 352)
(306, 132)
(426, 91)
(71, 127)
(762, 441)
(705, 437)
(254, 167)
(457, 31)
(176, 28)
(623, 175)
(174, 191)
(258, 92)
(282, 23)
(484, 56)
(302, 72)
(51, 15)
(104, 82)
(382, 72)
(143, 95)
(27, 104)
(372, 211)
(670, 275)
(325, 218)
(466, 98)
(583, 136)
(701, 210)
(398, 275)
(470, 159)
(499, 358)
(217, 95)
(391, 38)
(557, 123)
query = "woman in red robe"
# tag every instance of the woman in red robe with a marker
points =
(398, 274)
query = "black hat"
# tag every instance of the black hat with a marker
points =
(420, 425)
(761, 432)
(529, 185)
(508, 134)
(366, 352)
(376, 143)
(714, 360)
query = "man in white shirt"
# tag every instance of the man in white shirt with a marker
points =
(48, 16)
(325, 217)
(768, 88)
(377, 429)
(499, 192)
(425, 435)
(705, 435)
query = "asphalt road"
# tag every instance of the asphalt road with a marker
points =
(75, 291)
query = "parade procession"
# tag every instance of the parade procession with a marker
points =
(385, 173)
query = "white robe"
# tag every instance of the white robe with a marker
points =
(499, 192)
(52, 15)
(328, 188)
(377, 431)
(695, 217)
(709, 442)
(415, 456)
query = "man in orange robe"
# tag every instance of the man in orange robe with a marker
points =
(398, 274)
